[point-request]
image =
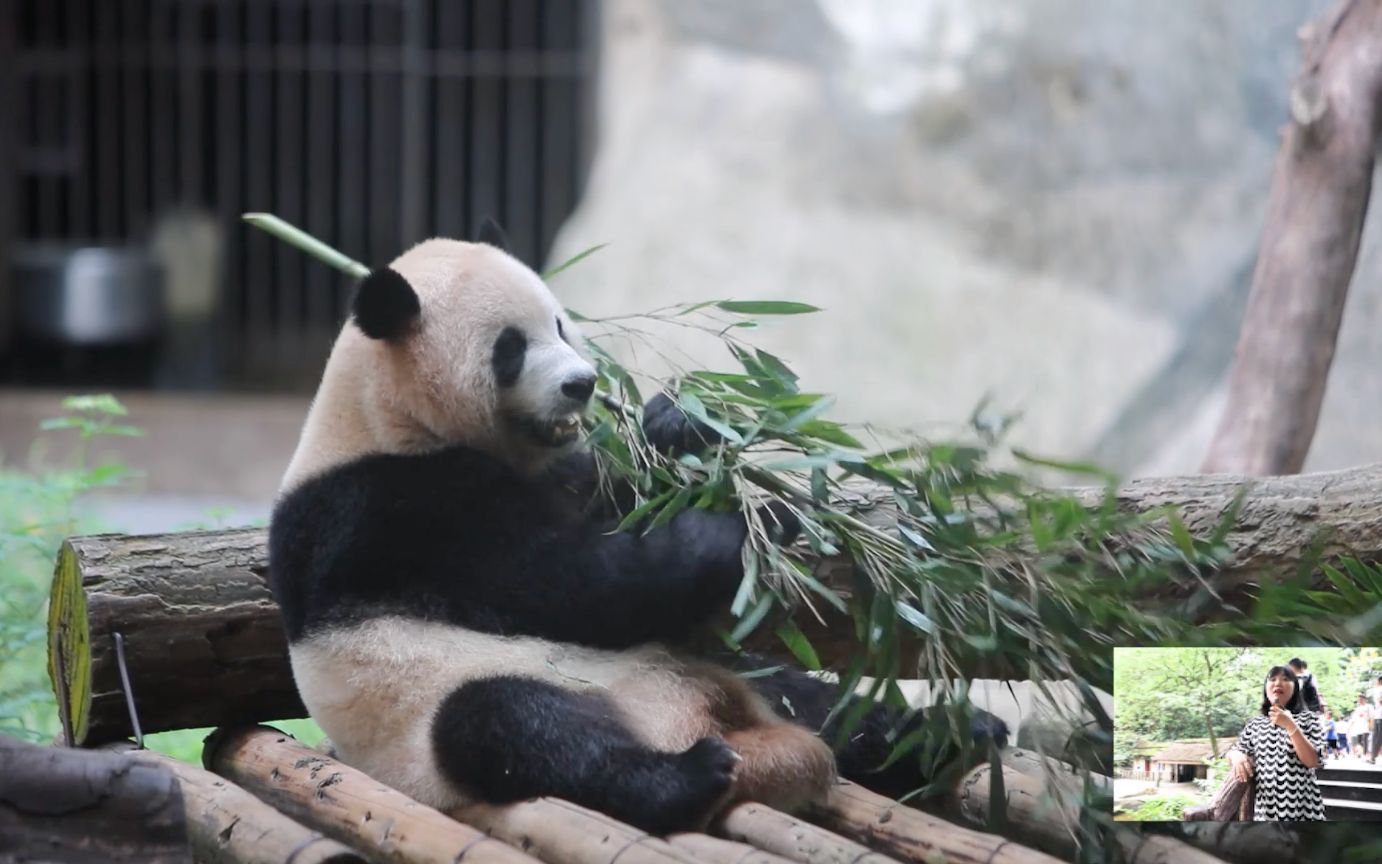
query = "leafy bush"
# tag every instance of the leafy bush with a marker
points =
(1164, 808)
(36, 514)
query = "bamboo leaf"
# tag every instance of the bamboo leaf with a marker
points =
(766, 307)
(798, 644)
(572, 261)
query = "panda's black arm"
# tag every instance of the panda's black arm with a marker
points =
(614, 590)
(667, 429)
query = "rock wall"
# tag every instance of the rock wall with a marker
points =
(1055, 203)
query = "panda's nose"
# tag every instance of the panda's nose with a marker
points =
(579, 387)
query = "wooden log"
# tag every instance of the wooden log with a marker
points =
(1318, 200)
(1045, 811)
(228, 825)
(203, 641)
(345, 804)
(82, 806)
(560, 832)
(914, 835)
(707, 848)
(205, 646)
(792, 837)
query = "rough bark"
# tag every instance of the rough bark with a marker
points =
(80, 806)
(346, 804)
(205, 648)
(228, 825)
(1044, 810)
(390, 826)
(203, 642)
(1315, 212)
(913, 835)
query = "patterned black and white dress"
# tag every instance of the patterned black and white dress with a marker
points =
(1286, 789)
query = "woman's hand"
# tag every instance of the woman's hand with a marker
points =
(1240, 767)
(1282, 718)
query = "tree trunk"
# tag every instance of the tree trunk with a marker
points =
(1044, 811)
(203, 641)
(205, 647)
(228, 825)
(346, 804)
(80, 806)
(1318, 201)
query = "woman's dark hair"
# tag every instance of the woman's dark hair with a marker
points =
(1296, 663)
(1296, 703)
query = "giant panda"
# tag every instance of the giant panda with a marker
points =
(465, 624)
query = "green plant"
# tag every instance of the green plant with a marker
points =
(1164, 808)
(36, 513)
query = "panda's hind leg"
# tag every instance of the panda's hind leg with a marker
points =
(785, 766)
(807, 701)
(510, 738)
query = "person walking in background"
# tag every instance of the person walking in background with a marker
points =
(1281, 749)
(1307, 683)
(1331, 737)
(1359, 726)
(1375, 705)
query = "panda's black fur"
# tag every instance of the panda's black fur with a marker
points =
(458, 538)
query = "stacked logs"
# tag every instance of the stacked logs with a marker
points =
(202, 647)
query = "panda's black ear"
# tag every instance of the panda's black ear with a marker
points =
(385, 305)
(491, 233)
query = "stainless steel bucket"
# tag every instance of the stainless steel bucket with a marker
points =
(87, 295)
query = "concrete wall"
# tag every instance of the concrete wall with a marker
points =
(1055, 202)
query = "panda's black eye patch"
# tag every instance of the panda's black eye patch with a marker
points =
(507, 357)
(561, 331)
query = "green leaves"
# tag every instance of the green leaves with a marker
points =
(766, 307)
(572, 261)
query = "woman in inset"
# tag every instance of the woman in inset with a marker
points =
(1281, 748)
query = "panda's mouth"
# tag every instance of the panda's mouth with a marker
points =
(558, 432)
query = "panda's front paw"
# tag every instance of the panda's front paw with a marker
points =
(783, 525)
(707, 777)
(669, 430)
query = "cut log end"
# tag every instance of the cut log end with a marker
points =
(69, 646)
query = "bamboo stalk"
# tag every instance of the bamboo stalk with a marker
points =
(346, 804)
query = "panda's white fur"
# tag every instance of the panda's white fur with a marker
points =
(374, 682)
(435, 388)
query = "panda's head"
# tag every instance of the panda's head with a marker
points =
(451, 343)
